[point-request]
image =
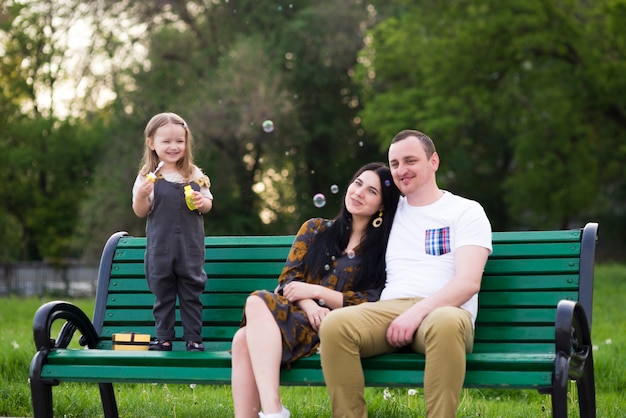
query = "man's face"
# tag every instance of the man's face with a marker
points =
(410, 167)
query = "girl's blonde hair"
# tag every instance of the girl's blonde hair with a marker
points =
(150, 159)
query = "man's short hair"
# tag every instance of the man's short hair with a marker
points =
(427, 143)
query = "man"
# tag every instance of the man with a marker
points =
(435, 258)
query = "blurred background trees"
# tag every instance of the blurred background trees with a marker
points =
(526, 102)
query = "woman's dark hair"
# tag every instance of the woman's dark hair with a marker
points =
(332, 241)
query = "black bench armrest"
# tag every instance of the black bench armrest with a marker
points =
(572, 337)
(574, 359)
(76, 320)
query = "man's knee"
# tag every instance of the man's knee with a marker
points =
(448, 325)
(448, 317)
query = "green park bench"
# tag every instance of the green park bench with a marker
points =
(533, 329)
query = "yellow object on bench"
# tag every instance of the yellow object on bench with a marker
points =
(131, 341)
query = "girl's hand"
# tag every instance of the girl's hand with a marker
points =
(296, 291)
(198, 199)
(203, 204)
(146, 188)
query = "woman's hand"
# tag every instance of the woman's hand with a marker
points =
(314, 313)
(296, 291)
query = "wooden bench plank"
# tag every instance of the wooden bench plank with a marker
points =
(572, 235)
(250, 269)
(539, 250)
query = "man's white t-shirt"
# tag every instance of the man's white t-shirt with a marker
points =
(423, 243)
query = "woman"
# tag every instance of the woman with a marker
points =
(331, 264)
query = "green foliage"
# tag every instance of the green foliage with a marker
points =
(321, 44)
(511, 94)
(46, 167)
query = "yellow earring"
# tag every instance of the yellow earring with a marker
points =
(377, 222)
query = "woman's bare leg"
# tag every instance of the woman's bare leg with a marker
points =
(245, 393)
(265, 351)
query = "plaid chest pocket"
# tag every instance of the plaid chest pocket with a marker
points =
(438, 241)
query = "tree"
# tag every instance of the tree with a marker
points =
(515, 94)
(320, 46)
(46, 163)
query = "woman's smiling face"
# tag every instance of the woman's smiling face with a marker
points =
(364, 195)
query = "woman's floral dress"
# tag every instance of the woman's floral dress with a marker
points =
(299, 338)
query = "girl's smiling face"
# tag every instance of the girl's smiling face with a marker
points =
(169, 142)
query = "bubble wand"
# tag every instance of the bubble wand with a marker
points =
(152, 175)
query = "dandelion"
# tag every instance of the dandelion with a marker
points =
(409, 401)
(15, 344)
(386, 394)
(192, 385)
(595, 347)
(608, 341)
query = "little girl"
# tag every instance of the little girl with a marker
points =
(175, 233)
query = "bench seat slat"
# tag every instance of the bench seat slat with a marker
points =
(220, 375)
(214, 367)
(397, 361)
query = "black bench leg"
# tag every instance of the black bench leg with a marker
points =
(559, 403)
(559, 387)
(42, 399)
(41, 392)
(587, 392)
(109, 405)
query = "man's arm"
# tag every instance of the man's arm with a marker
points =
(470, 263)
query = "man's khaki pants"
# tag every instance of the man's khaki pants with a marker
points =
(349, 333)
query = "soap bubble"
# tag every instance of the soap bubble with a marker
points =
(268, 126)
(319, 200)
(334, 189)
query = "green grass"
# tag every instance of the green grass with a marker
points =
(145, 400)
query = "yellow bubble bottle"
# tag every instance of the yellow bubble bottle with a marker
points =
(189, 198)
(151, 177)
